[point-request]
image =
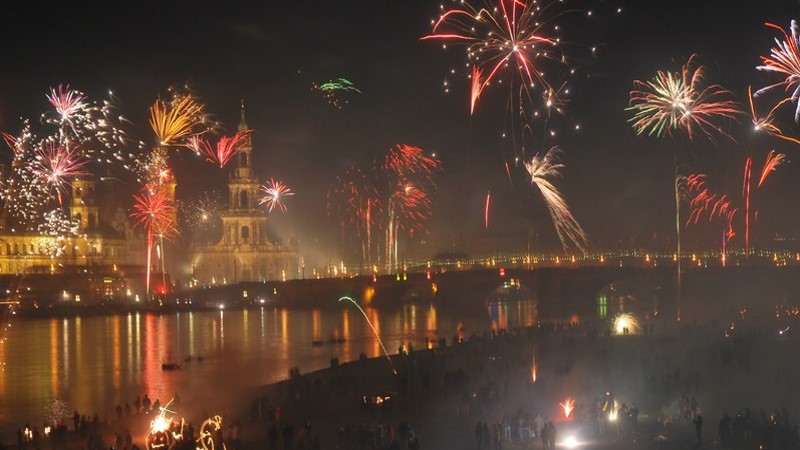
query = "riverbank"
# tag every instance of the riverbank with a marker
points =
(506, 380)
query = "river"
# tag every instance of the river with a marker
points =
(94, 363)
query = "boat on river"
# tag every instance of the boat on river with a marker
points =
(170, 366)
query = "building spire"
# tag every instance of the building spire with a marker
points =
(242, 123)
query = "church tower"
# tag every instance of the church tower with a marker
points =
(244, 253)
(244, 223)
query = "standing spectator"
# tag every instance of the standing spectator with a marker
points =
(724, 430)
(146, 404)
(698, 427)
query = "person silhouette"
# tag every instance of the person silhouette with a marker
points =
(698, 427)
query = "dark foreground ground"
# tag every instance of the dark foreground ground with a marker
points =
(438, 396)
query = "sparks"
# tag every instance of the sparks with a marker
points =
(227, 147)
(673, 101)
(542, 169)
(501, 36)
(784, 60)
(273, 194)
(54, 165)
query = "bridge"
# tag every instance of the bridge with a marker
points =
(558, 291)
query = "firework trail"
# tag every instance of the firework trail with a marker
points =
(748, 170)
(704, 202)
(771, 162)
(542, 169)
(11, 141)
(273, 194)
(354, 200)
(409, 179)
(392, 197)
(486, 210)
(373, 330)
(680, 101)
(227, 147)
(784, 60)
(767, 122)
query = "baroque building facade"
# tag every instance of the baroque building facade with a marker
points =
(102, 236)
(96, 256)
(245, 252)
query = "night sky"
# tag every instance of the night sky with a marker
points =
(268, 54)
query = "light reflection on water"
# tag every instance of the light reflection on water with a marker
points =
(94, 363)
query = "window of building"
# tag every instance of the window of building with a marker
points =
(243, 200)
(246, 234)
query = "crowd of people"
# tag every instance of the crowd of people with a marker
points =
(483, 386)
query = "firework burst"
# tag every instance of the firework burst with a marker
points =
(227, 147)
(356, 203)
(154, 211)
(784, 60)
(568, 405)
(332, 91)
(408, 177)
(54, 165)
(45, 161)
(542, 169)
(273, 194)
(673, 101)
(67, 102)
(182, 116)
(504, 36)
(394, 197)
(202, 216)
(767, 121)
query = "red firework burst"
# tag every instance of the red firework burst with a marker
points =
(154, 210)
(54, 165)
(227, 147)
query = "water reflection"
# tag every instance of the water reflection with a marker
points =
(94, 363)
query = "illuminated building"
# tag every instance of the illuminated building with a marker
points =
(96, 261)
(245, 252)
